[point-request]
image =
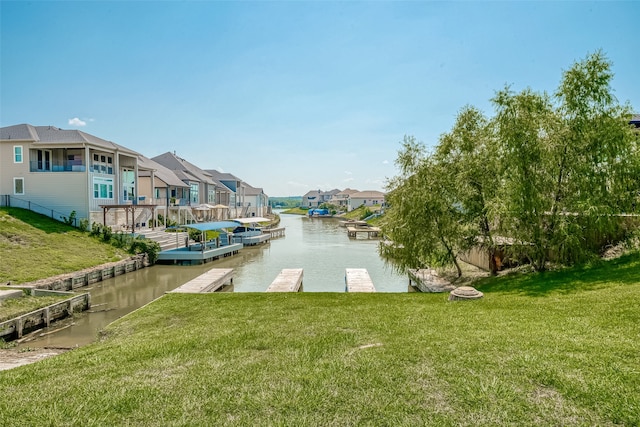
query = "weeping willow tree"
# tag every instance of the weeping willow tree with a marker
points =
(552, 173)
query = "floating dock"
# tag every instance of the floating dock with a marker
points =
(289, 280)
(210, 281)
(357, 228)
(358, 280)
(197, 254)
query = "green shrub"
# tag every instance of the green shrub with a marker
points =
(141, 245)
(84, 225)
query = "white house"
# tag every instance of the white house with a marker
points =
(366, 198)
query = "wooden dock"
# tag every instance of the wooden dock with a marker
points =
(358, 280)
(210, 281)
(353, 231)
(289, 280)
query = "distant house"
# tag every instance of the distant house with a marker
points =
(232, 193)
(67, 170)
(366, 198)
(257, 201)
(156, 185)
(315, 198)
(341, 199)
(635, 120)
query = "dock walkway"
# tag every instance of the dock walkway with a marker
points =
(358, 280)
(289, 280)
(210, 281)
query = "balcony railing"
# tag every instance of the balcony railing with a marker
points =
(69, 166)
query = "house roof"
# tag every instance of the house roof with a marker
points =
(176, 164)
(53, 136)
(163, 173)
(347, 192)
(368, 195)
(252, 191)
(222, 176)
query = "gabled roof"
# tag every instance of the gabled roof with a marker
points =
(52, 136)
(347, 192)
(252, 191)
(221, 176)
(191, 171)
(368, 195)
(164, 174)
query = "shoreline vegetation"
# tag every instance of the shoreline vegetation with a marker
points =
(553, 348)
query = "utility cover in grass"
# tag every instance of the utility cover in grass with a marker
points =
(465, 293)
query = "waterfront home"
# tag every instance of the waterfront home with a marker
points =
(232, 193)
(341, 199)
(257, 202)
(365, 198)
(314, 198)
(156, 185)
(58, 171)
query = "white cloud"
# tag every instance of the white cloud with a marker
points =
(348, 172)
(385, 162)
(296, 184)
(348, 179)
(77, 122)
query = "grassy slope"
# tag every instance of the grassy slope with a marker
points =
(33, 247)
(560, 348)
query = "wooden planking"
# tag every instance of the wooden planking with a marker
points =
(210, 281)
(289, 280)
(358, 280)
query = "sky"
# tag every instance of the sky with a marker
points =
(293, 96)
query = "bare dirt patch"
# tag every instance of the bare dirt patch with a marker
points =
(12, 358)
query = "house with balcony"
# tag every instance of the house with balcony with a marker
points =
(314, 198)
(341, 199)
(58, 171)
(257, 201)
(156, 184)
(232, 194)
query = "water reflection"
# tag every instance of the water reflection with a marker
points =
(319, 246)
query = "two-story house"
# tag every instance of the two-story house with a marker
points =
(314, 198)
(66, 171)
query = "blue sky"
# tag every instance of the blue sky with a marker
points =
(292, 95)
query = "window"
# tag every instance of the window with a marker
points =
(17, 154)
(43, 160)
(102, 163)
(18, 186)
(194, 193)
(102, 188)
(128, 184)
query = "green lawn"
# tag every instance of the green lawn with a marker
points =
(560, 348)
(33, 246)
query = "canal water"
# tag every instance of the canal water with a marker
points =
(320, 246)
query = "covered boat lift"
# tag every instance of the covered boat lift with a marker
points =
(203, 251)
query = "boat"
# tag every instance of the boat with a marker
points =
(319, 213)
(249, 232)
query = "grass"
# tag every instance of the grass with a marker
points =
(14, 307)
(296, 211)
(33, 246)
(560, 348)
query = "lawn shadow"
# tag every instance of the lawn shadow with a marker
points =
(623, 270)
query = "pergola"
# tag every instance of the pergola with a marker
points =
(127, 209)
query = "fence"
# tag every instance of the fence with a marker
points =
(7, 200)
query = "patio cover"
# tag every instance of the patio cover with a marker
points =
(205, 226)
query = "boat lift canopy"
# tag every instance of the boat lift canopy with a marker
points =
(206, 226)
(251, 220)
